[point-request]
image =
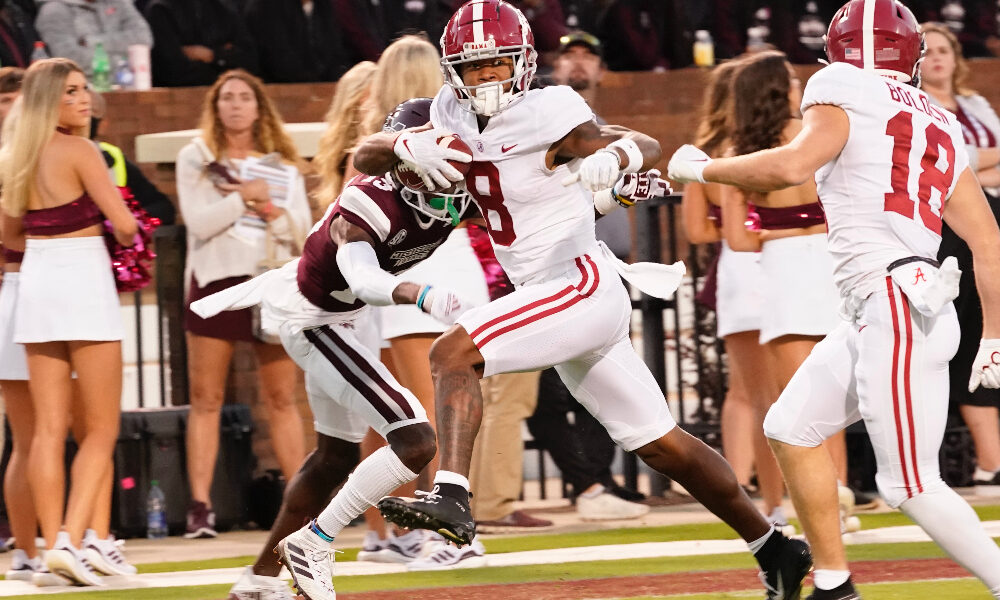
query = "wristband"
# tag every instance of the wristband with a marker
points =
(604, 202)
(631, 150)
(422, 296)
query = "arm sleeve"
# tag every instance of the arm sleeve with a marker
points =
(55, 26)
(170, 66)
(560, 113)
(206, 213)
(358, 264)
(834, 85)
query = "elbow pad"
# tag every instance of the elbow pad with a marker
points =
(368, 282)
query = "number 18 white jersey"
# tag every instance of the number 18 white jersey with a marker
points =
(534, 221)
(884, 194)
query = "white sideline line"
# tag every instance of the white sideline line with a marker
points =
(884, 535)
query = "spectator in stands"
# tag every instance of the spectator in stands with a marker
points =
(364, 32)
(547, 22)
(343, 123)
(197, 40)
(402, 17)
(942, 76)
(228, 220)
(973, 22)
(297, 41)
(583, 15)
(57, 184)
(638, 28)
(17, 34)
(125, 173)
(577, 442)
(10, 89)
(795, 27)
(74, 28)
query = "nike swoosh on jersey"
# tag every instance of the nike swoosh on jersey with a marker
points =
(505, 149)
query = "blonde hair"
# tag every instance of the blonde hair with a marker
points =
(713, 130)
(29, 127)
(961, 72)
(410, 67)
(268, 131)
(343, 128)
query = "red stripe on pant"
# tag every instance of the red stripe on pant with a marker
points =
(906, 391)
(895, 385)
(585, 278)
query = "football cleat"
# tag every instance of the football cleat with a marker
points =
(310, 560)
(784, 581)
(445, 556)
(450, 517)
(844, 591)
(251, 586)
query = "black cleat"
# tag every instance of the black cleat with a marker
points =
(844, 591)
(784, 580)
(449, 516)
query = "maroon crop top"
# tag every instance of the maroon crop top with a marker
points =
(791, 217)
(12, 256)
(65, 218)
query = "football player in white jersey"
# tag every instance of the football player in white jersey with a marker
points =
(887, 162)
(538, 158)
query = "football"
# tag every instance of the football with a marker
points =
(409, 178)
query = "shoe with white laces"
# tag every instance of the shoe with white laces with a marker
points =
(780, 522)
(371, 547)
(309, 558)
(104, 555)
(435, 510)
(70, 562)
(446, 556)
(606, 506)
(22, 567)
(251, 586)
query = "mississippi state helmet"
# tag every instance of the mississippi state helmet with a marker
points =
(877, 35)
(484, 29)
(448, 205)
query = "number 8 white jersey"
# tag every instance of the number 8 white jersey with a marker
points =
(884, 194)
(534, 221)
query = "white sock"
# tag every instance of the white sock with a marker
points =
(375, 477)
(982, 474)
(758, 543)
(452, 478)
(828, 579)
(954, 526)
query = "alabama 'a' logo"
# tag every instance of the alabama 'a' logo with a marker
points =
(399, 237)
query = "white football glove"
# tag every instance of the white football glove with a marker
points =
(688, 164)
(599, 171)
(986, 366)
(633, 188)
(444, 305)
(421, 152)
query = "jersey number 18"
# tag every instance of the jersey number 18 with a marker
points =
(900, 129)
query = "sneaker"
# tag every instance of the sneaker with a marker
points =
(104, 555)
(45, 578)
(844, 591)
(780, 522)
(516, 519)
(22, 567)
(606, 506)
(200, 521)
(446, 556)
(310, 560)
(404, 548)
(449, 516)
(371, 547)
(784, 582)
(251, 586)
(865, 500)
(627, 493)
(71, 562)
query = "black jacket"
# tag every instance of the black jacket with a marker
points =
(211, 23)
(294, 47)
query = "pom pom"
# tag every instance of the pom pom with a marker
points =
(131, 265)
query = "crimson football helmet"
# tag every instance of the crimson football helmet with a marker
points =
(877, 35)
(447, 205)
(483, 29)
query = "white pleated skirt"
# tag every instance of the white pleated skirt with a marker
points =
(67, 292)
(13, 362)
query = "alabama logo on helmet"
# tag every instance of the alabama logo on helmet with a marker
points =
(484, 29)
(876, 35)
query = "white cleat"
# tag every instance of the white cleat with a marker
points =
(70, 562)
(607, 507)
(251, 586)
(309, 559)
(104, 555)
(446, 556)
(23, 568)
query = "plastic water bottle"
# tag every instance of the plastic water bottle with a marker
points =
(124, 78)
(101, 66)
(156, 512)
(39, 52)
(704, 49)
